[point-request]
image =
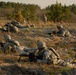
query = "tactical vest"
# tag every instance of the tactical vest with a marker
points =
(40, 54)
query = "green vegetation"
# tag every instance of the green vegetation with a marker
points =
(31, 12)
(58, 12)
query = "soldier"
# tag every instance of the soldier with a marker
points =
(17, 24)
(11, 28)
(63, 32)
(50, 56)
(10, 43)
(45, 18)
(3, 29)
(14, 29)
(44, 53)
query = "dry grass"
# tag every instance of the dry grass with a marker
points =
(28, 37)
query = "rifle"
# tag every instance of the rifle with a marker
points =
(53, 33)
(29, 52)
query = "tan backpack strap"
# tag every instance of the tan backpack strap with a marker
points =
(54, 51)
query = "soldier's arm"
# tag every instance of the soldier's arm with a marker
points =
(45, 57)
(63, 33)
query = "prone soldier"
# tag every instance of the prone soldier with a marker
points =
(10, 43)
(63, 32)
(44, 55)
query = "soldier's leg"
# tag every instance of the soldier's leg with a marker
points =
(67, 64)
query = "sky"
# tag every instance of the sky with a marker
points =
(43, 3)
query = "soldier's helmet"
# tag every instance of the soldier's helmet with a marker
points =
(41, 44)
(59, 26)
(7, 37)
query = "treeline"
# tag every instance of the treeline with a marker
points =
(56, 12)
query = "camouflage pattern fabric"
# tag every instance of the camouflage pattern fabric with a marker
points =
(3, 28)
(45, 53)
(49, 56)
(44, 18)
(14, 42)
(15, 29)
(10, 43)
(7, 47)
(11, 28)
(17, 24)
(7, 37)
(63, 32)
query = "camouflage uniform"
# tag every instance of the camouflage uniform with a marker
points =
(10, 43)
(3, 28)
(11, 28)
(45, 18)
(17, 24)
(50, 56)
(63, 32)
(46, 54)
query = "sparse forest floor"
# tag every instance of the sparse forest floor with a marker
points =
(66, 47)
